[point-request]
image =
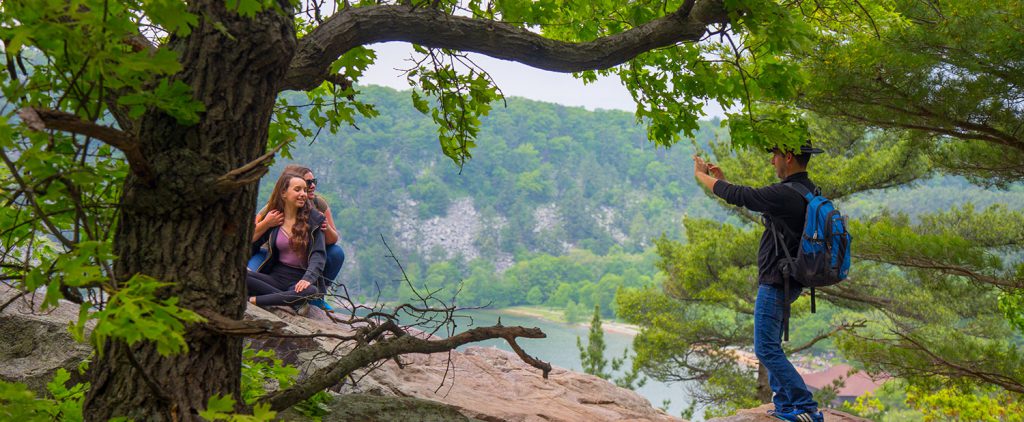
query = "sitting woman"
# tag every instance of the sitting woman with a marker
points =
(335, 255)
(295, 256)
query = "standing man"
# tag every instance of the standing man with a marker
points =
(786, 209)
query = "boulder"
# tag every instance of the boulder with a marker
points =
(370, 408)
(34, 344)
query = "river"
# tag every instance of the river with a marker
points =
(559, 348)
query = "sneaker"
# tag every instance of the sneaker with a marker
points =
(322, 304)
(772, 412)
(800, 416)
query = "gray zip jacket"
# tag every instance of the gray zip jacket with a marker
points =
(316, 255)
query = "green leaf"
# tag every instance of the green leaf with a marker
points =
(172, 15)
(173, 98)
(218, 407)
(133, 314)
(247, 8)
(262, 412)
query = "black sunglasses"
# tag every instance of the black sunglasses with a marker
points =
(310, 182)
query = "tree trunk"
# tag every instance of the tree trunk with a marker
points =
(178, 229)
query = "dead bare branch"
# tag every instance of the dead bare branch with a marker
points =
(388, 349)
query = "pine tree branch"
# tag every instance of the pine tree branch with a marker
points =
(432, 28)
(959, 369)
(945, 268)
(846, 326)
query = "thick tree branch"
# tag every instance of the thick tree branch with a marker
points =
(257, 328)
(229, 326)
(41, 119)
(390, 348)
(428, 27)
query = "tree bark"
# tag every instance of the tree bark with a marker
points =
(176, 228)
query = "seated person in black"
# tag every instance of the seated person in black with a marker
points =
(295, 256)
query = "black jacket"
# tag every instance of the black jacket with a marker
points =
(777, 203)
(315, 258)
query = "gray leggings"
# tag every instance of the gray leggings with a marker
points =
(278, 287)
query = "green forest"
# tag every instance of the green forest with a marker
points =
(615, 194)
(610, 191)
(588, 164)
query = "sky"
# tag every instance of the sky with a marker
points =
(515, 80)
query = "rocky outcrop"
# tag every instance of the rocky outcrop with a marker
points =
(33, 343)
(760, 414)
(475, 384)
(481, 383)
(370, 408)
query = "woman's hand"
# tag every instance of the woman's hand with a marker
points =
(301, 285)
(274, 218)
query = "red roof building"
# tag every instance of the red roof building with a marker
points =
(854, 383)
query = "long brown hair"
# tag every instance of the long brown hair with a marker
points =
(297, 169)
(294, 169)
(298, 239)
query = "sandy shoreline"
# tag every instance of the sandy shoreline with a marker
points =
(608, 326)
(744, 357)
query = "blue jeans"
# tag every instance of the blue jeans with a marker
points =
(790, 391)
(335, 259)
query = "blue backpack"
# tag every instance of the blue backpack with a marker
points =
(824, 255)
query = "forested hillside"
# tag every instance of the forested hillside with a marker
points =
(556, 207)
(544, 179)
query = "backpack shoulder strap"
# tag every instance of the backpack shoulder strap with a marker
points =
(799, 188)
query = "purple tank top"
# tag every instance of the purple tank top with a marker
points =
(286, 255)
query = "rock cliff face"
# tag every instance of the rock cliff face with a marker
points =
(454, 233)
